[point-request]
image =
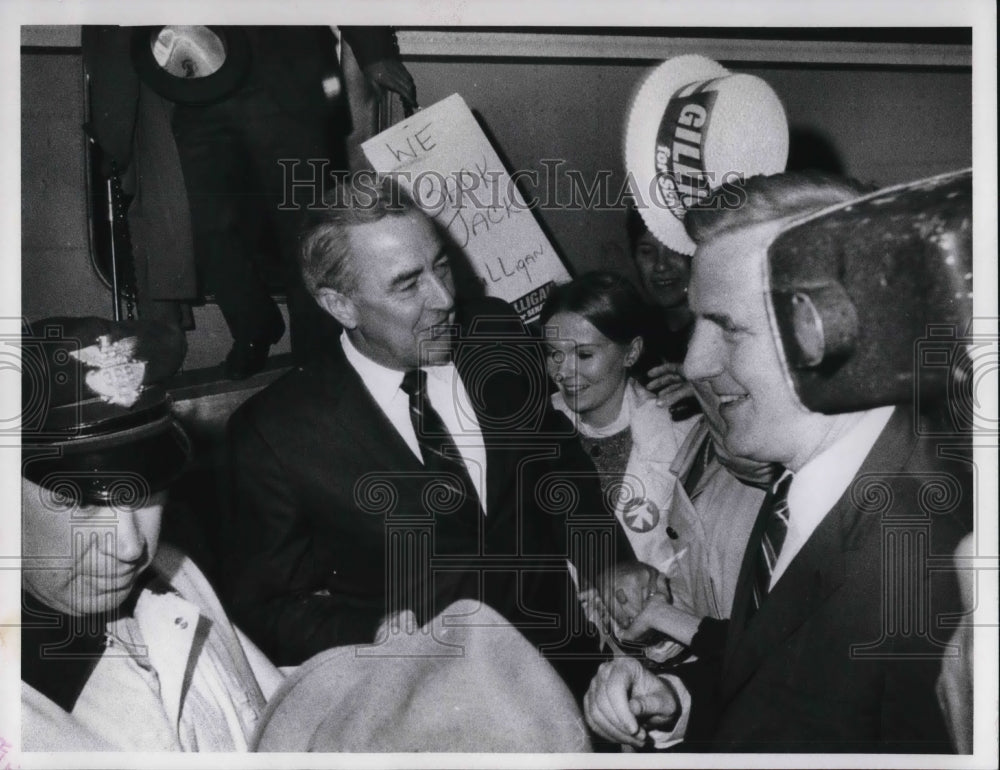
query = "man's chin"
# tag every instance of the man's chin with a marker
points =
(734, 445)
(749, 450)
(435, 356)
(436, 349)
(87, 605)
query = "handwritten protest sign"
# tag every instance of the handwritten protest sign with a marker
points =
(443, 158)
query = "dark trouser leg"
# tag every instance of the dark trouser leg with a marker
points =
(289, 191)
(214, 162)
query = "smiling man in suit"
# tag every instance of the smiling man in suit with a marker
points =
(836, 635)
(408, 467)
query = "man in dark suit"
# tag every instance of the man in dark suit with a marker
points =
(837, 631)
(416, 463)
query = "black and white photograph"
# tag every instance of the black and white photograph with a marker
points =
(466, 384)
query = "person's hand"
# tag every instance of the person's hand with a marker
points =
(654, 615)
(390, 74)
(624, 699)
(625, 589)
(954, 691)
(664, 376)
(667, 382)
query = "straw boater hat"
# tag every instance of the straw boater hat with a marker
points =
(692, 126)
(466, 682)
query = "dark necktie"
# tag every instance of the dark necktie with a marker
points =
(773, 539)
(441, 456)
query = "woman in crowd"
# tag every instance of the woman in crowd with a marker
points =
(683, 504)
(594, 328)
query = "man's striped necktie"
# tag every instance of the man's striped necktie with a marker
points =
(772, 540)
(438, 449)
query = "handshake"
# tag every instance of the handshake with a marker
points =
(633, 604)
(635, 607)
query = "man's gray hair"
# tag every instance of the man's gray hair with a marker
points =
(324, 247)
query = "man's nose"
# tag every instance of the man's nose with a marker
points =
(703, 360)
(441, 295)
(130, 542)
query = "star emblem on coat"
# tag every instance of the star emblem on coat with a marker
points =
(640, 515)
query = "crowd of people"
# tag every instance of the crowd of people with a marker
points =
(633, 485)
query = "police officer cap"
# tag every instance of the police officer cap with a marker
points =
(96, 420)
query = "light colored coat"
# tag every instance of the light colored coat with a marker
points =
(467, 681)
(713, 526)
(648, 484)
(144, 702)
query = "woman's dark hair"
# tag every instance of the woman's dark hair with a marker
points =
(607, 300)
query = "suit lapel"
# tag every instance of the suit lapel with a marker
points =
(362, 420)
(365, 426)
(816, 572)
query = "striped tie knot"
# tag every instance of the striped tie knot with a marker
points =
(414, 383)
(427, 423)
(772, 538)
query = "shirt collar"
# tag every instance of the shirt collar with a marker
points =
(819, 484)
(382, 382)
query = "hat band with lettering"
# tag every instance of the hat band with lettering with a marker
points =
(680, 147)
(693, 126)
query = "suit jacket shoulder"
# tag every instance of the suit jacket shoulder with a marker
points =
(844, 653)
(297, 390)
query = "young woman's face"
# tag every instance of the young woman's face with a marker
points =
(589, 369)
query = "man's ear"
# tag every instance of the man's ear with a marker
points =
(340, 306)
(634, 351)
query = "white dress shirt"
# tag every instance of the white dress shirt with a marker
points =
(819, 484)
(447, 395)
